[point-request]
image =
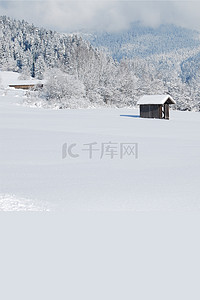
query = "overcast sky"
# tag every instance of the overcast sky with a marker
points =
(67, 16)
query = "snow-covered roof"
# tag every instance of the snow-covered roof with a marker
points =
(27, 82)
(155, 99)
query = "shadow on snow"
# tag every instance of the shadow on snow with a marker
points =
(131, 116)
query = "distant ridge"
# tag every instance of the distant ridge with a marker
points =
(142, 41)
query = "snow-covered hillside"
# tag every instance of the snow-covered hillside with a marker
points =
(162, 60)
(38, 170)
(143, 41)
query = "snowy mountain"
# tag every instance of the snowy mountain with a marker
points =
(157, 61)
(31, 50)
(165, 57)
(141, 41)
(68, 62)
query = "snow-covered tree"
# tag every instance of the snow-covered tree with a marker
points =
(61, 88)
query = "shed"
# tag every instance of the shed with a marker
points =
(155, 106)
(26, 86)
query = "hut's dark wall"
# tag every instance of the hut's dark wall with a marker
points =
(166, 110)
(151, 111)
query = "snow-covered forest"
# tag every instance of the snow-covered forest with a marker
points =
(79, 75)
(143, 41)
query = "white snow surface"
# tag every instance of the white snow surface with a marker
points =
(11, 203)
(35, 177)
(155, 99)
(7, 78)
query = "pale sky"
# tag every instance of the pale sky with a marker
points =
(66, 16)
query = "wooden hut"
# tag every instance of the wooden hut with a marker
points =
(27, 86)
(155, 106)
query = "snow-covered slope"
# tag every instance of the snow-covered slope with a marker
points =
(162, 60)
(36, 164)
(144, 41)
(8, 77)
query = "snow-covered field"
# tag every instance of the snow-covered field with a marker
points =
(37, 171)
